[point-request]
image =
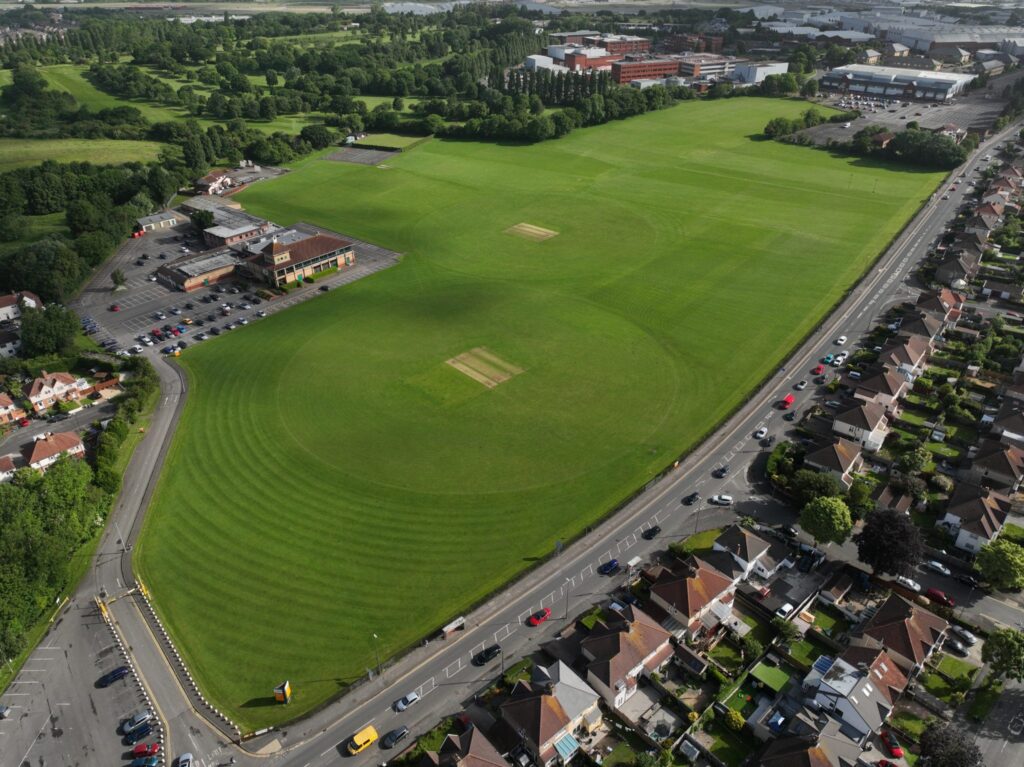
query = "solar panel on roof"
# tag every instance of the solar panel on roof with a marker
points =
(823, 664)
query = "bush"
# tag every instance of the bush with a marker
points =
(734, 720)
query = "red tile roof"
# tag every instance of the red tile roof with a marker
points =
(301, 251)
(47, 380)
(52, 445)
(906, 629)
(694, 590)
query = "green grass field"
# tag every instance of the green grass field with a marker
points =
(18, 153)
(333, 478)
(390, 140)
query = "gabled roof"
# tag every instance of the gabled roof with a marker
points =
(923, 324)
(742, 543)
(884, 382)
(906, 629)
(940, 301)
(51, 445)
(21, 296)
(538, 715)
(993, 209)
(6, 464)
(866, 415)
(5, 401)
(884, 674)
(986, 221)
(574, 695)
(840, 456)
(1006, 460)
(888, 498)
(47, 381)
(470, 749)
(692, 590)
(301, 251)
(1010, 417)
(830, 748)
(619, 646)
(981, 511)
(910, 349)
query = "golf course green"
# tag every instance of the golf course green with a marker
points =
(334, 477)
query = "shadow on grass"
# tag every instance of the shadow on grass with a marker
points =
(263, 702)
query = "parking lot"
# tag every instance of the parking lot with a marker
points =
(124, 320)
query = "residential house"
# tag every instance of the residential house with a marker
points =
(46, 450)
(908, 632)
(991, 210)
(865, 424)
(859, 689)
(842, 459)
(750, 552)
(923, 324)
(950, 54)
(981, 223)
(887, 498)
(9, 410)
(470, 749)
(7, 467)
(958, 268)
(1001, 290)
(997, 465)
(943, 302)
(12, 304)
(50, 388)
(975, 515)
(828, 747)
(907, 355)
(620, 651)
(884, 388)
(549, 711)
(698, 599)
(215, 182)
(1008, 423)
(10, 341)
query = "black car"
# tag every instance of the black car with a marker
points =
(486, 655)
(211, 317)
(970, 580)
(140, 262)
(112, 676)
(790, 416)
(324, 288)
(200, 323)
(190, 305)
(721, 471)
(788, 530)
(691, 499)
(651, 533)
(257, 301)
(215, 331)
(389, 740)
(768, 441)
(162, 256)
(138, 734)
(58, 417)
(182, 344)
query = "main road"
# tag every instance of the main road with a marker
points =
(61, 719)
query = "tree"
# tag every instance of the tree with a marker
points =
(787, 631)
(913, 461)
(734, 720)
(827, 520)
(889, 543)
(809, 89)
(752, 648)
(202, 219)
(47, 332)
(948, 745)
(1002, 564)
(118, 278)
(1004, 652)
(859, 497)
(318, 136)
(809, 484)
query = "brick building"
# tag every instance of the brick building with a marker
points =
(620, 44)
(626, 71)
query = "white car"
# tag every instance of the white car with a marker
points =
(261, 313)
(937, 566)
(761, 433)
(909, 583)
(785, 610)
(841, 340)
(720, 500)
(152, 278)
(801, 385)
(405, 702)
(964, 634)
(137, 349)
(846, 125)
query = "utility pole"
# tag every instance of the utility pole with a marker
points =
(376, 652)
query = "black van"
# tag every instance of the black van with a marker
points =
(112, 676)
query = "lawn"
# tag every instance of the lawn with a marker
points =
(1014, 533)
(21, 152)
(732, 748)
(774, 677)
(700, 541)
(956, 668)
(806, 651)
(909, 723)
(392, 140)
(830, 622)
(727, 655)
(333, 478)
(36, 228)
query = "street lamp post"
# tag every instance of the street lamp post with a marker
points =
(376, 652)
(696, 517)
(566, 587)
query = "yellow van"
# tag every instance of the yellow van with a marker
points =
(361, 740)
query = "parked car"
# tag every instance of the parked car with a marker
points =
(721, 471)
(788, 530)
(324, 288)
(138, 734)
(940, 597)
(185, 760)
(146, 749)
(115, 307)
(609, 568)
(393, 737)
(651, 533)
(112, 676)
(5, 711)
(956, 646)
(893, 745)
(406, 701)
(933, 564)
(57, 418)
(827, 359)
(800, 385)
(486, 655)
(691, 499)
(785, 610)
(768, 441)
(146, 761)
(137, 719)
(720, 500)
(790, 416)
(970, 580)
(539, 617)
(833, 403)
(818, 370)
(761, 433)
(841, 340)
(909, 583)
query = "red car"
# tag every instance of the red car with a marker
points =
(146, 749)
(940, 596)
(818, 370)
(24, 422)
(895, 749)
(539, 617)
(885, 763)
(115, 307)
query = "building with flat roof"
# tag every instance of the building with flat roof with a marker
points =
(620, 44)
(707, 65)
(643, 69)
(896, 82)
(194, 272)
(577, 38)
(752, 73)
(164, 220)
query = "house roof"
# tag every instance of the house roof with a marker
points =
(1005, 460)
(923, 324)
(1002, 287)
(538, 715)
(742, 543)
(47, 381)
(840, 456)
(904, 628)
(884, 382)
(574, 695)
(888, 498)
(940, 301)
(617, 647)
(980, 511)
(908, 349)
(866, 415)
(6, 464)
(1010, 417)
(829, 748)
(692, 590)
(13, 298)
(5, 401)
(993, 209)
(50, 445)
(470, 749)
(884, 674)
(301, 251)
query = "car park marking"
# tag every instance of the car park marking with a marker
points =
(524, 615)
(424, 690)
(550, 597)
(447, 671)
(502, 633)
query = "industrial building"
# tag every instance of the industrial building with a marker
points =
(752, 73)
(579, 58)
(620, 44)
(707, 65)
(572, 38)
(894, 82)
(164, 220)
(194, 272)
(627, 70)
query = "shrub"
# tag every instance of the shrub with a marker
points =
(734, 720)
